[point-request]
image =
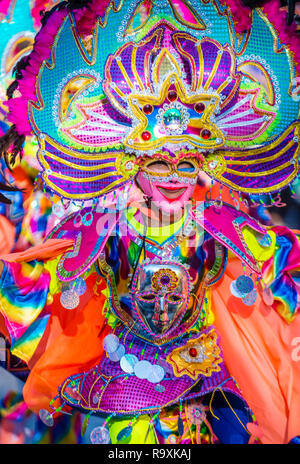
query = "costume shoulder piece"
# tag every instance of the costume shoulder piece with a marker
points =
(225, 224)
(89, 230)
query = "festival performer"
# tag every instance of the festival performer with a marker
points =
(174, 318)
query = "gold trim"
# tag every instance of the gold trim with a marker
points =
(262, 149)
(180, 19)
(213, 71)
(261, 173)
(135, 73)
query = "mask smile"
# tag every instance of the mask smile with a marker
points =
(171, 192)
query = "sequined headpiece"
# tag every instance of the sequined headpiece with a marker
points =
(146, 77)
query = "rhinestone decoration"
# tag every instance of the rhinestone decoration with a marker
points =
(146, 135)
(199, 107)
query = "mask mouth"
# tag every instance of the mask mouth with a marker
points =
(172, 192)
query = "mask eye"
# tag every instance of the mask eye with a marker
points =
(158, 166)
(185, 166)
(147, 297)
(173, 298)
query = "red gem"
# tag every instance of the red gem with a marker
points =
(193, 352)
(147, 109)
(199, 107)
(205, 134)
(172, 95)
(146, 135)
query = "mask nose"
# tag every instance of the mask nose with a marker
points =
(160, 311)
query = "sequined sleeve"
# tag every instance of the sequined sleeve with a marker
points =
(23, 304)
(279, 261)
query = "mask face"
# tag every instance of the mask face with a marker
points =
(169, 185)
(160, 297)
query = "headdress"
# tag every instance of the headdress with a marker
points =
(126, 78)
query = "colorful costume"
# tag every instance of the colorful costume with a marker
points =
(179, 332)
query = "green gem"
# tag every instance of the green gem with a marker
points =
(172, 118)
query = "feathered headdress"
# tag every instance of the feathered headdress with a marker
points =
(108, 82)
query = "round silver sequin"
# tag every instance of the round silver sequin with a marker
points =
(128, 362)
(267, 296)
(244, 284)
(156, 375)
(250, 299)
(142, 369)
(166, 366)
(100, 436)
(46, 417)
(118, 354)
(265, 241)
(69, 299)
(159, 388)
(79, 286)
(235, 291)
(110, 343)
(58, 210)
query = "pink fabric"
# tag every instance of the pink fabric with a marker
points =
(261, 352)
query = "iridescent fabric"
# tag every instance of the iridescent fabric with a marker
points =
(280, 272)
(23, 303)
(280, 264)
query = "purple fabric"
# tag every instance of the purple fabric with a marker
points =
(125, 393)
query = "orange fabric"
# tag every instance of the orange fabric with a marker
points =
(215, 192)
(72, 343)
(261, 354)
(47, 250)
(22, 181)
(7, 235)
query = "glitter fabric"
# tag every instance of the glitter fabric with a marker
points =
(123, 393)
